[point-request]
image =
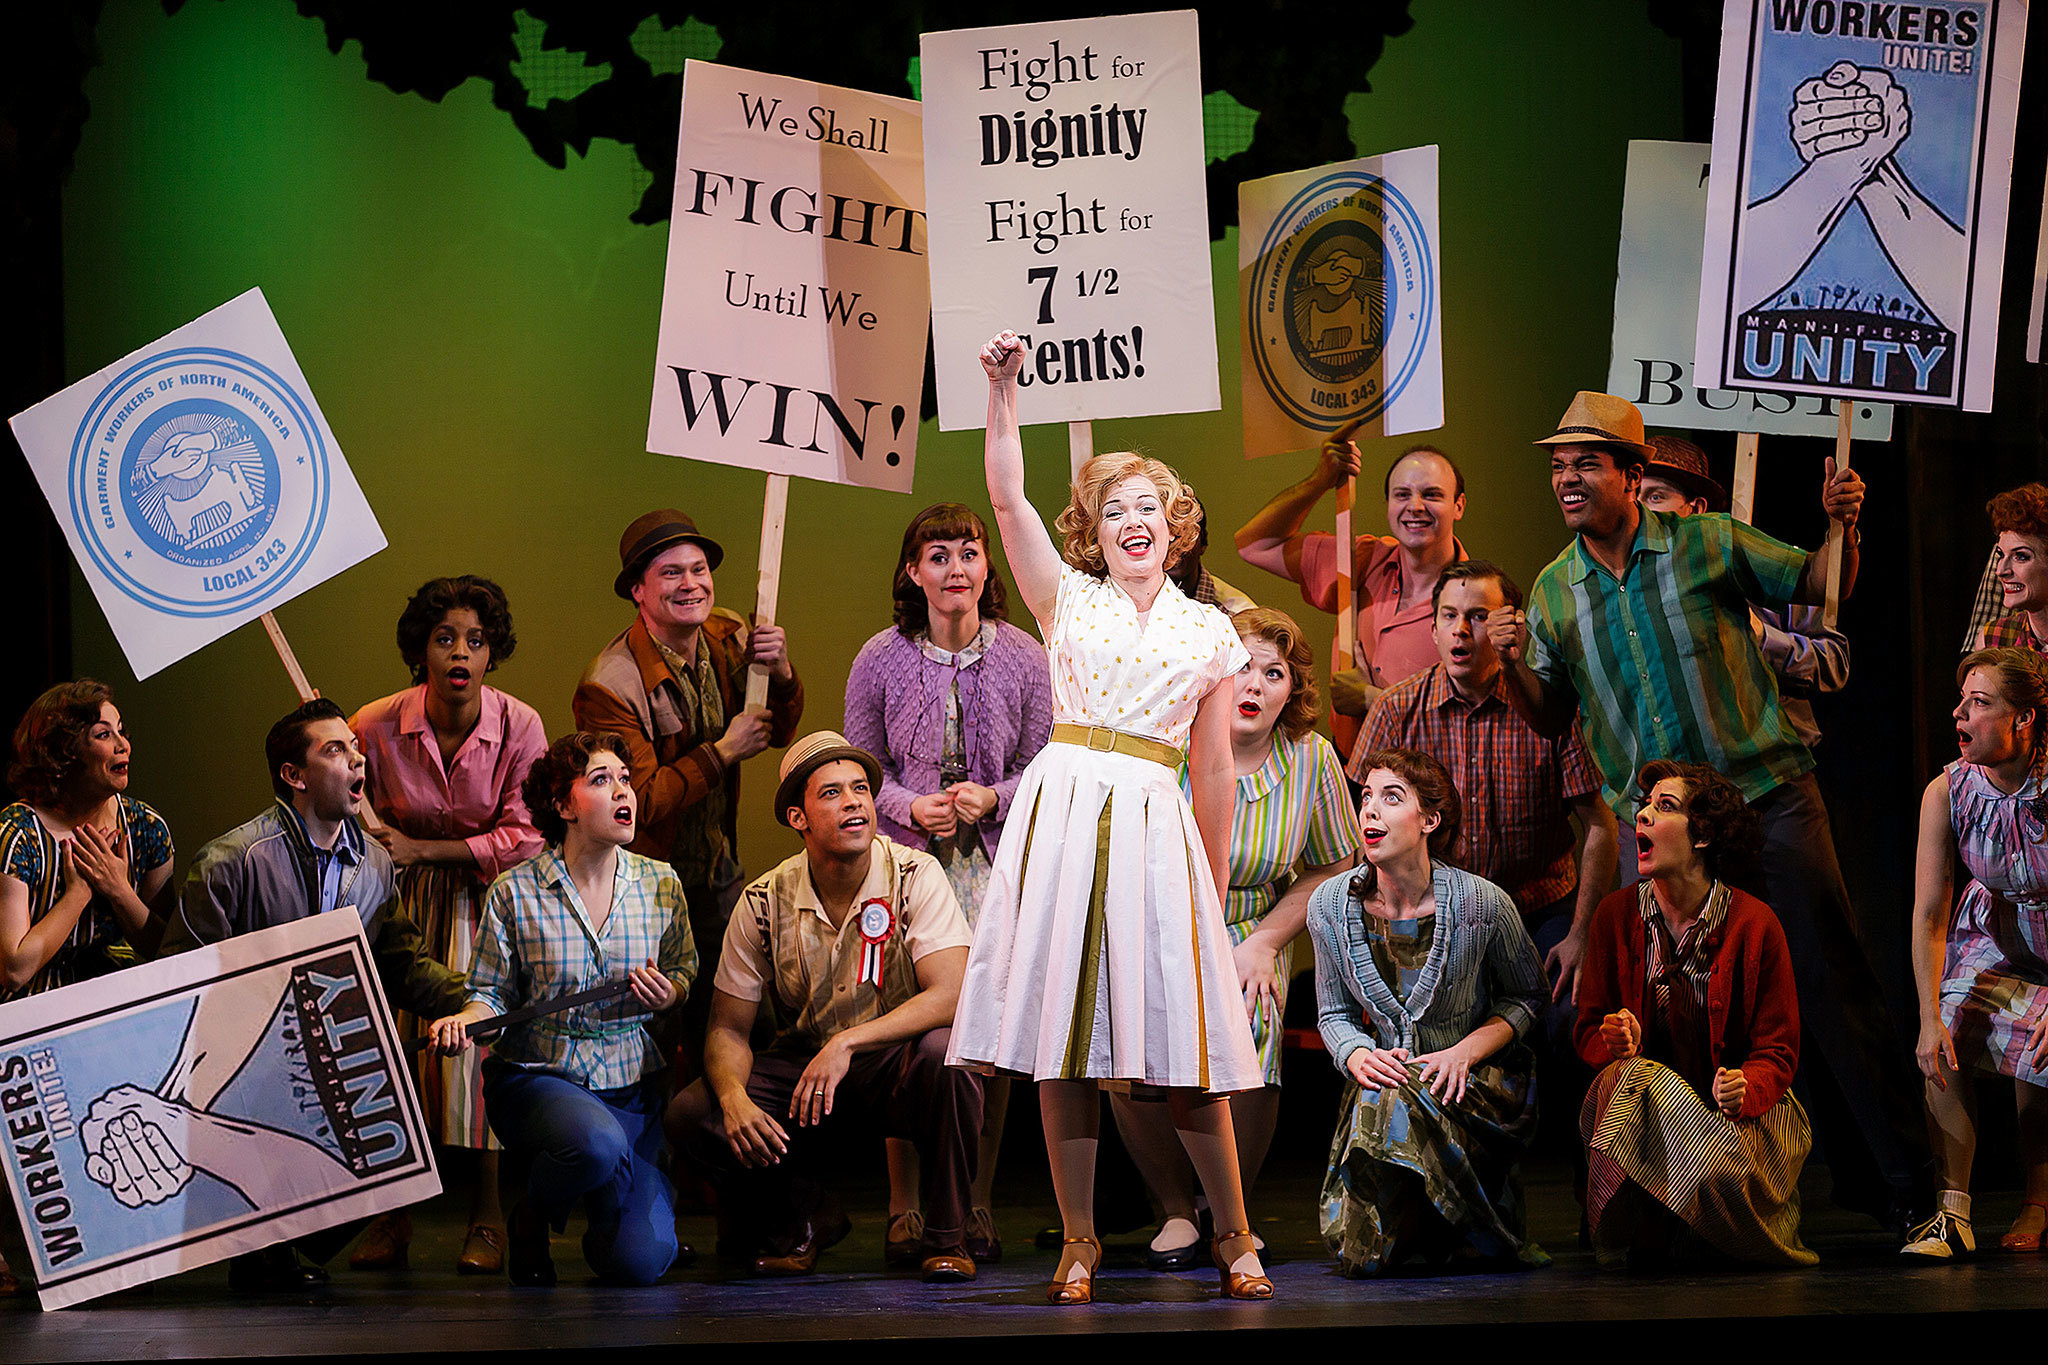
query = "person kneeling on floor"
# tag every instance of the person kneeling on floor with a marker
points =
(855, 949)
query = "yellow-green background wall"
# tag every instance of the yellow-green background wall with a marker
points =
(479, 329)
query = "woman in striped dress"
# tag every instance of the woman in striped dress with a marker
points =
(1686, 1006)
(1982, 972)
(1293, 828)
(83, 865)
(1427, 986)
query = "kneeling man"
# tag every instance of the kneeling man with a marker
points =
(854, 949)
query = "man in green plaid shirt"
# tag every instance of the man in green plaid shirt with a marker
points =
(1640, 629)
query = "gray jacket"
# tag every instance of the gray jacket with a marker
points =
(262, 874)
(1481, 966)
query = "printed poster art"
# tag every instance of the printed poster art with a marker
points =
(1656, 312)
(178, 1113)
(796, 302)
(1341, 292)
(1857, 214)
(198, 483)
(1069, 204)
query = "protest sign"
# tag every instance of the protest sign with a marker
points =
(1341, 290)
(1656, 312)
(1856, 217)
(178, 1113)
(198, 483)
(2039, 306)
(1069, 205)
(795, 303)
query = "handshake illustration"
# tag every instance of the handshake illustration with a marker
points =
(134, 1144)
(1852, 110)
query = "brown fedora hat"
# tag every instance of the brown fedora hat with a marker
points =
(811, 753)
(1684, 465)
(649, 535)
(1599, 419)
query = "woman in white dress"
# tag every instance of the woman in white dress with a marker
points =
(1101, 953)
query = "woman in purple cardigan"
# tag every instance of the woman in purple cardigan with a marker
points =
(955, 701)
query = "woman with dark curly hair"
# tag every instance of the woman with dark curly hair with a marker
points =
(446, 758)
(1293, 829)
(83, 865)
(954, 701)
(1687, 1010)
(2020, 516)
(1427, 987)
(1100, 952)
(580, 1091)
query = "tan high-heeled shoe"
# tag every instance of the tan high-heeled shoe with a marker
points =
(1236, 1286)
(2023, 1241)
(1076, 1291)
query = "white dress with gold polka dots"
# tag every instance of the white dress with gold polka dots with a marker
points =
(1100, 951)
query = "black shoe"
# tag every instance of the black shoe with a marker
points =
(275, 1269)
(527, 1261)
(1177, 1259)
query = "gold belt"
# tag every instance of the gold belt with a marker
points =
(1104, 740)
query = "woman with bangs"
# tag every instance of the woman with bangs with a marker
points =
(1427, 987)
(1293, 829)
(1100, 953)
(954, 701)
(1688, 1011)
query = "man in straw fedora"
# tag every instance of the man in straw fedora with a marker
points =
(851, 954)
(674, 685)
(1640, 628)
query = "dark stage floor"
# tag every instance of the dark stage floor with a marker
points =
(430, 1310)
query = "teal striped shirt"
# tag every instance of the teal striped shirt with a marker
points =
(1662, 661)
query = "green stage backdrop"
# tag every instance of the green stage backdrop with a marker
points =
(480, 328)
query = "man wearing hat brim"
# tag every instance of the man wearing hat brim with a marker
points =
(853, 951)
(673, 685)
(1640, 629)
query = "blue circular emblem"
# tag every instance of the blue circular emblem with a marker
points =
(199, 482)
(1342, 302)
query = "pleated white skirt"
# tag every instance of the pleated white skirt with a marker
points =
(1100, 951)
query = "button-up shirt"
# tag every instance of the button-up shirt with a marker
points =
(781, 948)
(1391, 644)
(1514, 783)
(1662, 660)
(538, 941)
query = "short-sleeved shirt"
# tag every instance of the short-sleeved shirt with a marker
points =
(2012, 630)
(1663, 661)
(782, 951)
(1108, 672)
(1513, 783)
(30, 854)
(1293, 810)
(1392, 644)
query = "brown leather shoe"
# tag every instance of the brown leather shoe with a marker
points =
(483, 1251)
(903, 1245)
(947, 1269)
(800, 1259)
(384, 1245)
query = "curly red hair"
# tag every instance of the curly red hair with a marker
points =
(2023, 510)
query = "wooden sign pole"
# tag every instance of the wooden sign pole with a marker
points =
(774, 512)
(1742, 504)
(1347, 495)
(305, 689)
(1835, 528)
(1080, 444)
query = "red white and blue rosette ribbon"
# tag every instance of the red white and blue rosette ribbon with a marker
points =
(877, 923)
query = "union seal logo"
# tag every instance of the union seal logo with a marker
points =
(199, 482)
(1343, 300)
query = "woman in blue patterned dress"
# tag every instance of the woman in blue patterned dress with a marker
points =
(1982, 972)
(83, 866)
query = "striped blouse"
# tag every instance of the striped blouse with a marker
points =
(29, 853)
(1294, 810)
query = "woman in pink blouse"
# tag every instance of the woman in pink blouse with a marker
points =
(446, 758)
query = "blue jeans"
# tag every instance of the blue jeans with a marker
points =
(599, 1148)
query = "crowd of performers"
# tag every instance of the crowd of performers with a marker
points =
(1087, 864)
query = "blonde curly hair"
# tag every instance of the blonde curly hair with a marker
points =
(1083, 514)
(1304, 699)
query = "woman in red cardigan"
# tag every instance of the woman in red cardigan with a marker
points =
(1693, 1139)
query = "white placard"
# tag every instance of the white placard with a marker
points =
(1856, 217)
(1340, 291)
(181, 1112)
(794, 307)
(1656, 312)
(198, 483)
(1069, 204)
